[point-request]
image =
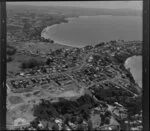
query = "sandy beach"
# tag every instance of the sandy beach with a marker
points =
(135, 70)
(45, 34)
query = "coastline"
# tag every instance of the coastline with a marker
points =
(128, 66)
(72, 45)
(62, 43)
(45, 35)
(46, 31)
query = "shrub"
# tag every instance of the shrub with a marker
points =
(100, 44)
(48, 61)
(52, 41)
(9, 59)
(107, 120)
(134, 105)
(107, 113)
(31, 63)
(10, 50)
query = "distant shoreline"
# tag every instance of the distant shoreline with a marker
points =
(46, 35)
(126, 64)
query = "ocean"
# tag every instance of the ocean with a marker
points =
(90, 30)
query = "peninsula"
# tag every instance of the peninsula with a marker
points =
(58, 87)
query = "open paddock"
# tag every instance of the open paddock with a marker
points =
(15, 99)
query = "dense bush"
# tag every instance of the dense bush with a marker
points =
(9, 58)
(134, 105)
(49, 60)
(71, 110)
(99, 45)
(88, 47)
(111, 95)
(10, 50)
(57, 52)
(30, 63)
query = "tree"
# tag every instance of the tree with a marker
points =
(107, 114)
(43, 69)
(30, 63)
(88, 47)
(35, 123)
(90, 127)
(67, 118)
(55, 127)
(11, 50)
(85, 113)
(52, 41)
(99, 45)
(107, 120)
(79, 120)
(9, 59)
(102, 118)
(134, 105)
(80, 127)
(48, 61)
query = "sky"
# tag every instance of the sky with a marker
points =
(88, 4)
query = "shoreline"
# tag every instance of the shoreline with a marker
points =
(126, 65)
(61, 43)
(46, 35)
(44, 31)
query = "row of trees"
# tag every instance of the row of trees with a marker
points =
(31, 63)
(10, 51)
(73, 111)
(111, 95)
(81, 106)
